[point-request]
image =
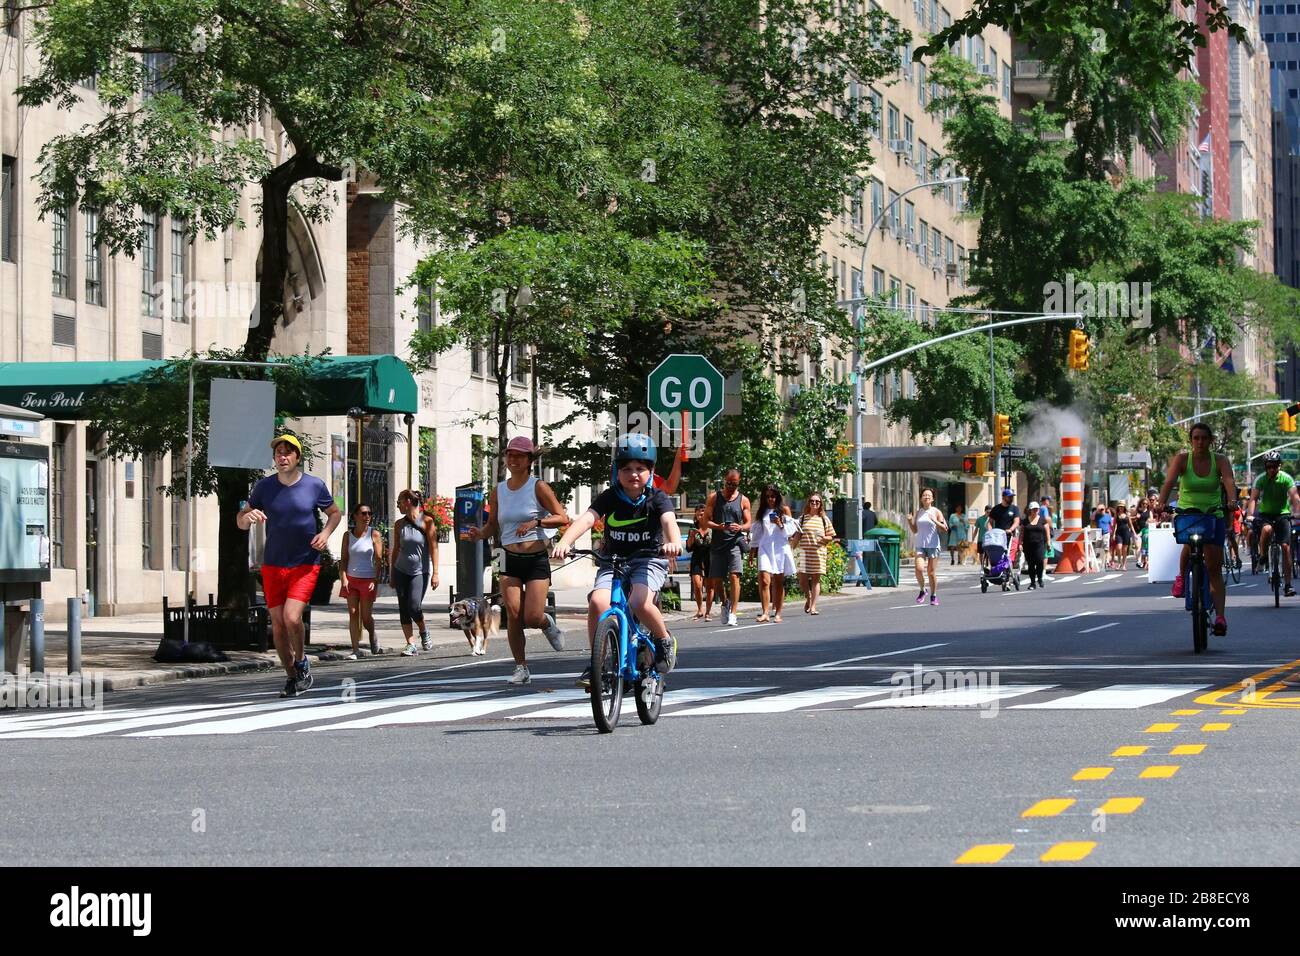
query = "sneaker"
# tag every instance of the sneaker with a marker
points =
(584, 679)
(354, 656)
(305, 680)
(1289, 592)
(731, 620)
(553, 632)
(666, 654)
(1220, 626)
(934, 600)
(1177, 590)
(410, 650)
(375, 648)
(521, 675)
(920, 598)
(290, 688)
(426, 642)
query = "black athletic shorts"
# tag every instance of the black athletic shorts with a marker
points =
(532, 566)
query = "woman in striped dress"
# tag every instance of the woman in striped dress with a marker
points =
(815, 532)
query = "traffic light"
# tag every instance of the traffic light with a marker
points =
(975, 465)
(1286, 422)
(1001, 430)
(1079, 345)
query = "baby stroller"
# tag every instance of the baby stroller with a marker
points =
(1000, 566)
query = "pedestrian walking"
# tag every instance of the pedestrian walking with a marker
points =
(524, 512)
(697, 543)
(360, 556)
(926, 525)
(812, 536)
(956, 534)
(287, 503)
(1048, 514)
(868, 517)
(773, 529)
(1035, 534)
(981, 525)
(411, 568)
(729, 519)
(1122, 538)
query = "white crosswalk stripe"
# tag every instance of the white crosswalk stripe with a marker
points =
(447, 706)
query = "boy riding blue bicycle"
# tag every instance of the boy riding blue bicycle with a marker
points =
(637, 518)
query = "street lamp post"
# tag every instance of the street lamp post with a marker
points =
(853, 517)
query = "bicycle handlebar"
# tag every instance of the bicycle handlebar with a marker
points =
(600, 556)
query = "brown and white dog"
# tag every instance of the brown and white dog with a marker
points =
(479, 620)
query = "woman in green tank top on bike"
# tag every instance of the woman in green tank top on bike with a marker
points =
(1204, 483)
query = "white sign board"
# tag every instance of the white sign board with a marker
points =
(1119, 487)
(1135, 459)
(241, 424)
(19, 429)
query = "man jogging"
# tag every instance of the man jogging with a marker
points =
(287, 501)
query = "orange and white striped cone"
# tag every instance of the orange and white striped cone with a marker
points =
(1070, 539)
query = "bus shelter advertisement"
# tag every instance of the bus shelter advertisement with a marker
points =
(24, 512)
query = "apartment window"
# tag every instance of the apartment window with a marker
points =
(948, 251)
(476, 360)
(94, 258)
(979, 52)
(518, 364)
(920, 83)
(945, 20)
(877, 116)
(878, 390)
(936, 247)
(856, 284)
(993, 62)
(855, 204)
(148, 481)
(61, 252)
(961, 263)
(934, 14)
(178, 515)
(927, 317)
(90, 81)
(58, 483)
(894, 213)
(909, 302)
(1006, 82)
(906, 62)
(922, 158)
(909, 132)
(923, 242)
(909, 220)
(11, 17)
(156, 66)
(877, 199)
(149, 265)
(877, 282)
(8, 210)
(855, 99)
(893, 122)
(179, 269)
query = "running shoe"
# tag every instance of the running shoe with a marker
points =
(521, 675)
(410, 650)
(1177, 590)
(920, 598)
(354, 656)
(426, 642)
(303, 669)
(731, 620)
(553, 632)
(1220, 626)
(666, 654)
(1289, 592)
(934, 600)
(375, 648)
(290, 688)
(584, 679)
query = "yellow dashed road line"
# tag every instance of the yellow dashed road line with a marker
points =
(1212, 728)
(1129, 751)
(1184, 713)
(1159, 772)
(1049, 808)
(986, 853)
(1161, 729)
(1068, 852)
(1118, 805)
(1187, 750)
(1094, 773)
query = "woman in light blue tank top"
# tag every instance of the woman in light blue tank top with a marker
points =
(412, 561)
(525, 512)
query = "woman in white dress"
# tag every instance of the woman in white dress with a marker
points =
(772, 529)
(926, 525)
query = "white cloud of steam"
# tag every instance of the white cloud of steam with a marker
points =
(1044, 426)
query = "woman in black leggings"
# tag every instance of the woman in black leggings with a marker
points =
(411, 565)
(1033, 539)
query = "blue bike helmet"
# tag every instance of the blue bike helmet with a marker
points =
(635, 446)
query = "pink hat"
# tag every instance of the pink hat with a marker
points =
(524, 444)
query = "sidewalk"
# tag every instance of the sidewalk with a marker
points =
(122, 648)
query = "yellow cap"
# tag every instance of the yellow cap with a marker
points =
(291, 440)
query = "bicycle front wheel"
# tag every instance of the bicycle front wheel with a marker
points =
(606, 676)
(1200, 626)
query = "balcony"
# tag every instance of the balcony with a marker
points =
(1032, 79)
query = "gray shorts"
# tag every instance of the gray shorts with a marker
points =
(652, 572)
(727, 561)
(928, 552)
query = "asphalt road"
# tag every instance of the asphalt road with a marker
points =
(996, 729)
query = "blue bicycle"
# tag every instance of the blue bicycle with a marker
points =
(622, 653)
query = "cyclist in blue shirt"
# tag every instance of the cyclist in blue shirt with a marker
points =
(637, 518)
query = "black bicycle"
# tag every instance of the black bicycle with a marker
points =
(1192, 528)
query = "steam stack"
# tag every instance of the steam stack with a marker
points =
(1070, 538)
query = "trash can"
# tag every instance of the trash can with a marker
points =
(889, 542)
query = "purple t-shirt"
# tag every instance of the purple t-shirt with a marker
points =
(290, 518)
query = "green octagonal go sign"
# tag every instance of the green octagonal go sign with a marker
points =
(685, 383)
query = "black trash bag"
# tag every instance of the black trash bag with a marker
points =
(172, 651)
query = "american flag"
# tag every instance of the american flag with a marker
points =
(1205, 144)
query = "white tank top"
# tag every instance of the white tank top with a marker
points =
(516, 507)
(361, 555)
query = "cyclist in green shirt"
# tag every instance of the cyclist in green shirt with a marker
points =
(1270, 503)
(1203, 479)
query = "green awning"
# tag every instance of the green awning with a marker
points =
(380, 384)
